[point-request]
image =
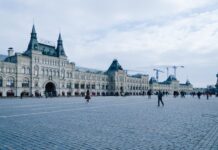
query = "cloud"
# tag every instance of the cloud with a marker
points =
(136, 32)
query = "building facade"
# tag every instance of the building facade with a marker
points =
(43, 69)
(170, 86)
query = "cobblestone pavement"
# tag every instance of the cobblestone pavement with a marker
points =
(109, 123)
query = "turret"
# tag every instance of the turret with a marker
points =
(115, 66)
(60, 48)
(33, 44)
(188, 82)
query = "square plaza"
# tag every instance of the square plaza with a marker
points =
(109, 123)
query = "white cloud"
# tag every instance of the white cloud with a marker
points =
(137, 32)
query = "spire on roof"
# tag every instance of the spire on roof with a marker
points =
(33, 43)
(33, 33)
(60, 48)
(59, 37)
(115, 66)
(33, 29)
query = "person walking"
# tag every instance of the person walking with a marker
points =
(199, 95)
(87, 97)
(160, 95)
(149, 94)
(207, 95)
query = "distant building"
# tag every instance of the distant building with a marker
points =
(202, 90)
(170, 85)
(44, 69)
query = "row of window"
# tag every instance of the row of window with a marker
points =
(90, 77)
(136, 80)
(92, 86)
(10, 82)
(26, 70)
(50, 62)
(137, 88)
(53, 72)
(8, 70)
(25, 83)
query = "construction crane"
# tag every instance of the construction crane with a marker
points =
(168, 68)
(175, 68)
(157, 73)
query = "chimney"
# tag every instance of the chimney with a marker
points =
(10, 51)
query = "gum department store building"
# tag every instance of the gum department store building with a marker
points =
(44, 68)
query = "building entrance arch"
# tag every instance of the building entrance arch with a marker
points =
(50, 89)
(10, 93)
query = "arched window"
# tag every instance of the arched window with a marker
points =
(23, 70)
(69, 85)
(1, 82)
(36, 84)
(25, 82)
(43, 72)
(63, 73)
(36, 70)
(10, 82)
(28, 70)
(54, 73)
(50, 72)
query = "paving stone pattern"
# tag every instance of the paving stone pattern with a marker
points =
(111, 123)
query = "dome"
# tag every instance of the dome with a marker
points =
(115, 66)
(152, 80)
(188, 83)
(171, 78)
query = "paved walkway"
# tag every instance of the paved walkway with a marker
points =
(109, 123)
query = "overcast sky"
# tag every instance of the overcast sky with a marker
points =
(141, 34)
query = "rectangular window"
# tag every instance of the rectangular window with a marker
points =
(69, 86)
(76, 86)
(25, 84)
(10, 83)
(82, 86)
(87, 86)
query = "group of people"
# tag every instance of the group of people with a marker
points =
(160, 97)
(207, 94)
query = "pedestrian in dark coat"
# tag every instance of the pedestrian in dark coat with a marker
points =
(207, 95)
(160, 95)
(199, 95)
(149, 94)
(87, 97)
